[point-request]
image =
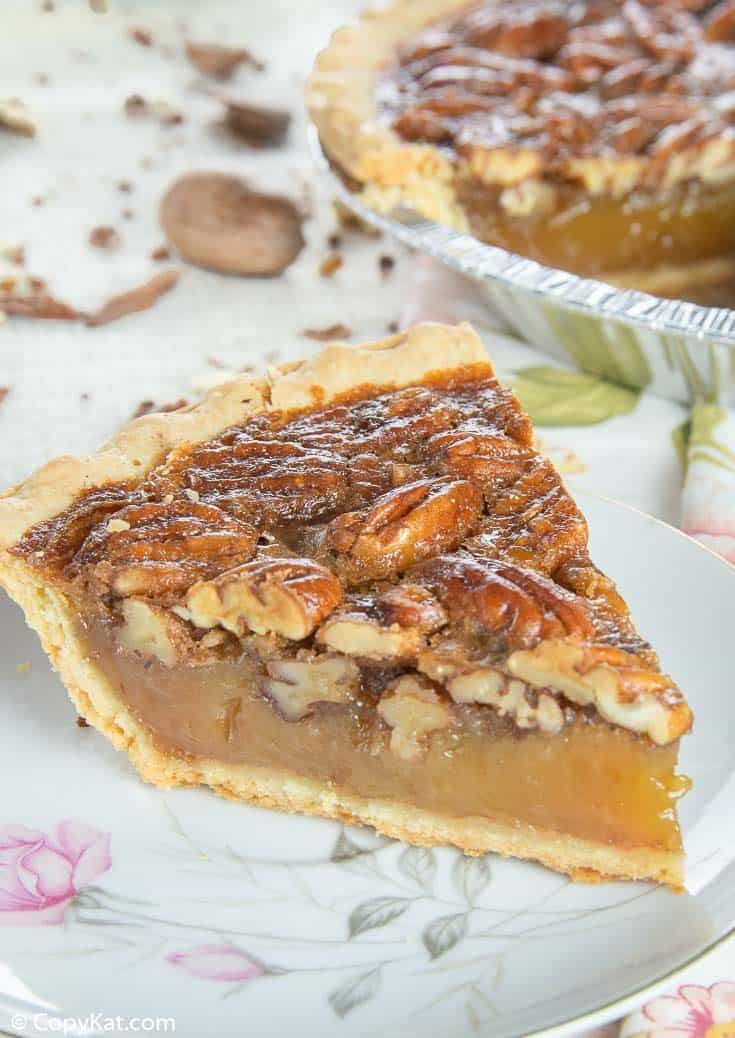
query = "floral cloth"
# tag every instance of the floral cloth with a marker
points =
(668, 460)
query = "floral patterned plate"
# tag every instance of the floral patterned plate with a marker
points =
(121, 901)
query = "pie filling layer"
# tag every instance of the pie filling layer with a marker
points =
(596, 136)
(390, 595)
(480, 765)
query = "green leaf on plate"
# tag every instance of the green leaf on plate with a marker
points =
(379, 911)
(555, 396)
(442, 934)
(355, 992)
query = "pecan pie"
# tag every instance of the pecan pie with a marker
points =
(595, 136)
(355, 589)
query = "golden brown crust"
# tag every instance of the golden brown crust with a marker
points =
(98, 702)
(338, 368)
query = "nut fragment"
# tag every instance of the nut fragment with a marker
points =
(163, 549)
(507, 606)
(413, 710)
(216, 221)
(286, 596)
(405, 525)
(219, 62)
(624, 692)
(150, 630)
(296, 686)
(256, 124)
(14, 118)
(392, 626)
(510, 697)
(142, 297)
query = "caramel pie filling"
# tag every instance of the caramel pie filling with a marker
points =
(391, 595)
(595, 136)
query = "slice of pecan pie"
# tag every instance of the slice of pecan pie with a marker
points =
(596, 136)
(355, 589)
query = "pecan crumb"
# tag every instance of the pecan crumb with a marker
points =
(31, 298)
(256, 124)
(386, 264)
(220, 62)
(84, 396)
(217, 221)
(393, 327)
(125, 186)
(135, 105)
(14, 118)
(140, 298)
(4, 390)
(22, 668)
(127, 214)
(15, 254)
(150, 407)
(104, 237)
(334, 241)
(332, 331)
(161, 253)
(140, 36)
(82, 722)
(330, 264)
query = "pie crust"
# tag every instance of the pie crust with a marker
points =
(581, 678)
(520, 174)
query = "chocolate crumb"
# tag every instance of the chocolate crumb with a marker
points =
(330, 265)
(386, 264)
(140, 298)
(161, 253)
(140, 36)
(332, 331)
(82, 722)
(104, 237)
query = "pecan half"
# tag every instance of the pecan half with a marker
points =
(405, 525)
(719, 25)
(296, 686)
(502, 603)
(491, 460)
(158, 550)
(623, 691)
(412, 710)
(287, 596)
(393, 626)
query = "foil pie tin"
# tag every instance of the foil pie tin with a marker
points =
(676, 349)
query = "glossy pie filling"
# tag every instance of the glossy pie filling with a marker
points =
(391, 595)
(572, 127)
(481, 766)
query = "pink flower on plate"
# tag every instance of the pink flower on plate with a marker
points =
(40, 873)
(220, 962)
(694, 1012)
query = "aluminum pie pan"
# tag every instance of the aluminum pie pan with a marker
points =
(679, 350)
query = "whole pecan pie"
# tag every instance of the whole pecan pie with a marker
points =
(355, 589)
(596, 136)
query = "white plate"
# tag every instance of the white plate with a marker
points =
(236, 920)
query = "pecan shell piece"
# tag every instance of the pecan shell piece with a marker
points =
(285, 596)
(409, 523)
